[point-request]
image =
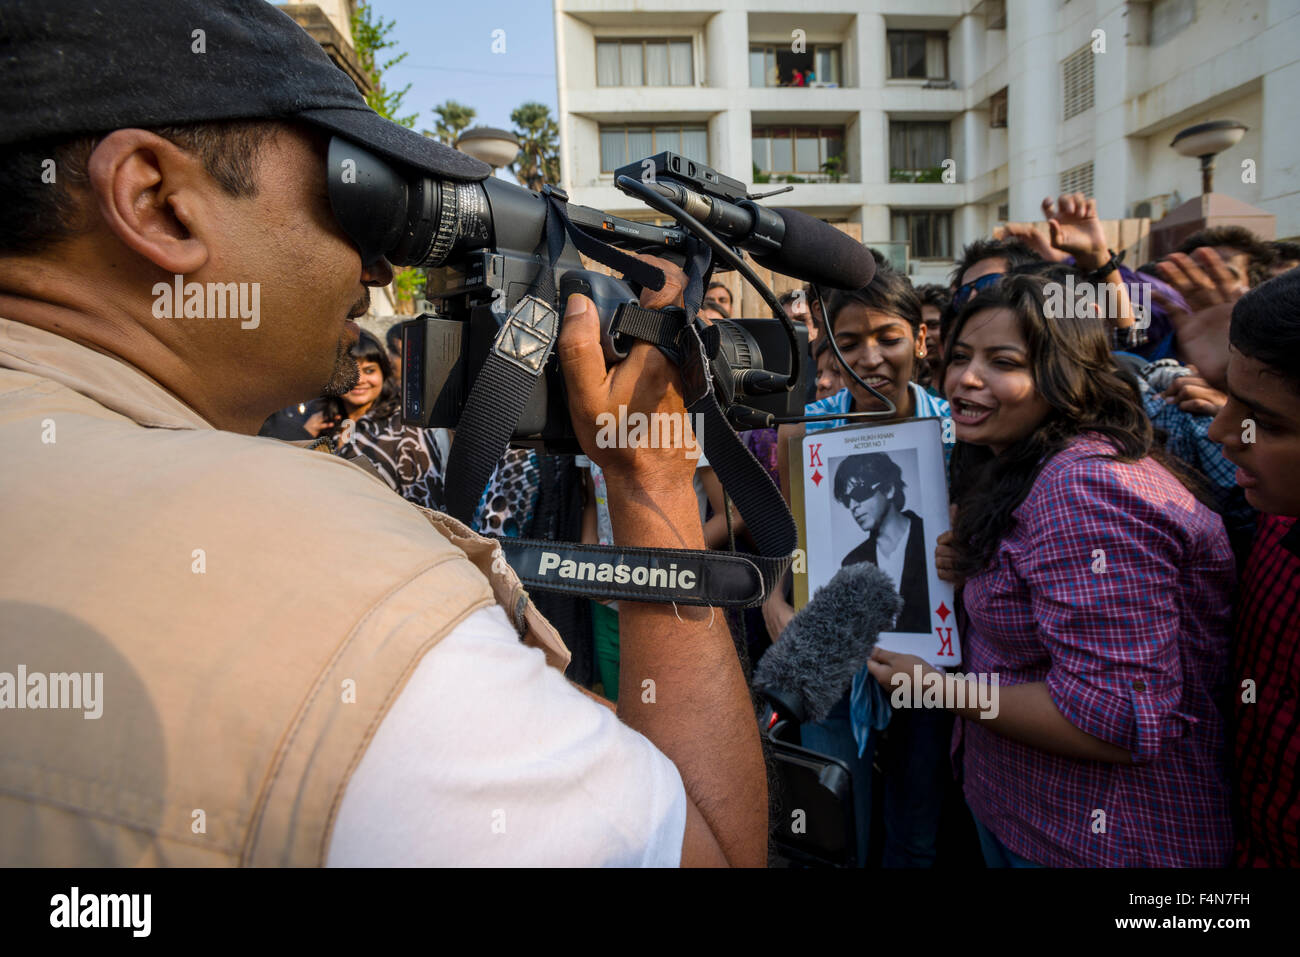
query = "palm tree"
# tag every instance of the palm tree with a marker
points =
(538, 161)
(453, 118)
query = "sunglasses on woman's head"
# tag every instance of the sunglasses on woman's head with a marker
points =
(966, 291)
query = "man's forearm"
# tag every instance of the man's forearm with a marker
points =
(681, 684)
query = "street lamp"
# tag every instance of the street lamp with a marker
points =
(492, 146)
(1207, 140)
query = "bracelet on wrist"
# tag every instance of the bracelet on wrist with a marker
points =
(1106, 268)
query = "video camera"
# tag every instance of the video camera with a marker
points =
(483, 245)
(502, 260)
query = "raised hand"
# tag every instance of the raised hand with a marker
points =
(1031, 237)
(1203, 278)
(1076, 229)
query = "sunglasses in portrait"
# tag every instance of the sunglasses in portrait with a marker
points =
(967, 290)
(862, 492)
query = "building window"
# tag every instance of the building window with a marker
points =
(1076, 82)
(917, 152)
(929, 232)
(771, 65)
(644, 63)
(917, 55)
(1077, 179)
(620, 145)
(998, 109)
(798, 154)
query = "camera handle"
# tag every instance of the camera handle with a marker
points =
(518, 356)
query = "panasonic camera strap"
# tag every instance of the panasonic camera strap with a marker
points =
(519, 353)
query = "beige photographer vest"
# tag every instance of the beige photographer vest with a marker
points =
(199, 631)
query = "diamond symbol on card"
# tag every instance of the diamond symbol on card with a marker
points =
(817, 478)
(943, 611)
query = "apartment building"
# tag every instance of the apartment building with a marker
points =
(929, 121)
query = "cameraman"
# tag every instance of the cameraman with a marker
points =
(257, 707)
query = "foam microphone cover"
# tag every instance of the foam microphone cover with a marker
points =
(827, 642)
(818, 252)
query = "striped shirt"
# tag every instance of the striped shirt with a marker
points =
(1133, 651)
(1267, 653)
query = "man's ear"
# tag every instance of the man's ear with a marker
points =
(149, 191)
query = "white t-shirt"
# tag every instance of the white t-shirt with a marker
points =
(489, 757)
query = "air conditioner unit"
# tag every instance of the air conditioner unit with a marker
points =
(1153, 208)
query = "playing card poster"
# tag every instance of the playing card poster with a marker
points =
(877, 493)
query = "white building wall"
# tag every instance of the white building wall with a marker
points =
(1235, 59)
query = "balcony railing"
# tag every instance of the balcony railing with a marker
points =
(933, 174)
(815, 84)
(802, 178)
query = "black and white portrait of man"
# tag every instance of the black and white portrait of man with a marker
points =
(871, 486)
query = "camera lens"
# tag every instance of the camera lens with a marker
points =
(443, 218)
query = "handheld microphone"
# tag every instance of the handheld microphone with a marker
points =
(827, 642)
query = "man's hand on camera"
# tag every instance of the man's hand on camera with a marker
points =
(700, 714)
(645, 383)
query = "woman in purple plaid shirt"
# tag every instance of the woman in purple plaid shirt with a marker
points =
(1097, 589)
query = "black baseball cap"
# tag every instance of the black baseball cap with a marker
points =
(79, 67)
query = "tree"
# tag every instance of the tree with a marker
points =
(453, 118)
(370, 38)
(538, 161)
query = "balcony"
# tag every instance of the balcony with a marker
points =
(801, 51)
(933, 174)
(918, 151)
(799, 154)
(779, 178)
(815, 67)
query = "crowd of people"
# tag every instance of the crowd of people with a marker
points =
(1155, 426)
(1123, 540)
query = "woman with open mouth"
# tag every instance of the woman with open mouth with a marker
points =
(1097, 588)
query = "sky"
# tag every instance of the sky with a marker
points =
(450, 55)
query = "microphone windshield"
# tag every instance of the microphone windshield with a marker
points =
(818, 252)
(827, 642)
